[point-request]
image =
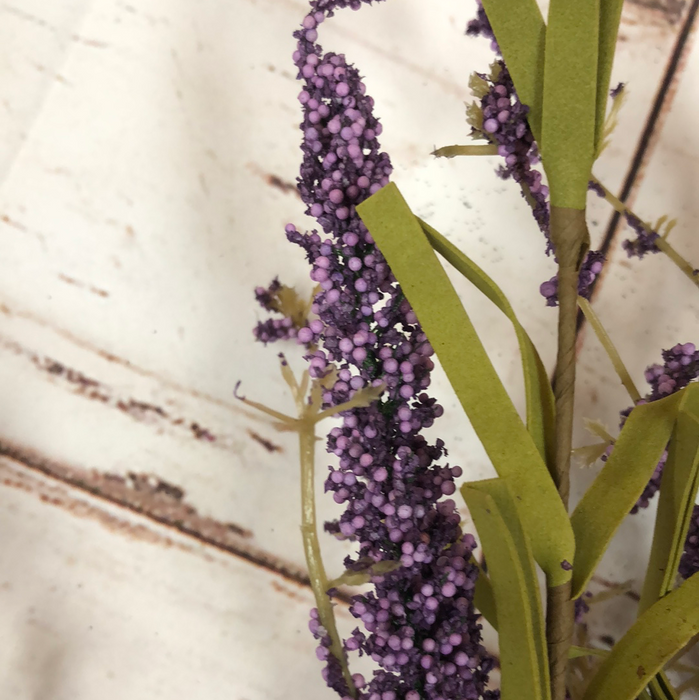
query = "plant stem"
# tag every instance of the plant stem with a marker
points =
(470, 150)
(611, 351)
(559, 635)
(661, 243)
(684, 265)
(311, 545)
(571, 240)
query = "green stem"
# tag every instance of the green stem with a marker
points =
(571, 240)
(684, 265)
(314, 561)
(560, 619)
(470, 150)
(611, 351)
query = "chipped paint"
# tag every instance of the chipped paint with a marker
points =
(267, 444)
(148, 496)
(82, 285)
(90, 388)
(10, 311)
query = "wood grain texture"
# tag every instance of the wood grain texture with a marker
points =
(146, 173)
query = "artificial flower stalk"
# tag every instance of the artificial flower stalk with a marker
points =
(421, 627)
(417, 623)
(570, 238)
(309, 415)
(469, 150)
(660, 242)
(611, 351)
(568, 145)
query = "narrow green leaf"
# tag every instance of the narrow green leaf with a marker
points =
(570, 99)
(660, 633)
(660, 688)
(597, 428)
(586, 456)
(678, 490)
(609, 18)
(541, 412)
(483, 597)
(521, 35)
(476, 383)
(521, 635)
(611, 496)
(576, 652)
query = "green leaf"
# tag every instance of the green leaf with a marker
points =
(597, 428)
(587, 455)
(521, 34)
(660, 688)
(483, 597)
(570, 99)
(576, 652)
(541, 412)
(521, 635)
(611, 496)
(609, 18)
(510, 447)
(369, 570)
(660, 633)
(678, 490)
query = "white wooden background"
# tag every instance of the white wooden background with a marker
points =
(149, 529)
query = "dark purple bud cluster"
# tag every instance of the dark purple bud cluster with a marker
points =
(652, 487)
(272, 329)
(332, 671)
(505, 124)
(591, 267)
(680, 367)
(266, 296)
(645, 240)
(420, 626)
(480, 26)
(294, 323)
(616, 91)
(581, 607)
(689, 562)
(432, 653)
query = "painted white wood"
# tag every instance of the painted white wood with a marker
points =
(143, 194)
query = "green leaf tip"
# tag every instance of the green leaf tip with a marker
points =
(617, 487)
(678, 490)
(541, 412)
(609, 19)
(569, 99)
(521, 35)
(658, 634)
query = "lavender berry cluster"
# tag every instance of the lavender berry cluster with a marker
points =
(418, 624)
(680, 367)
(273, 329)
(504, 122)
